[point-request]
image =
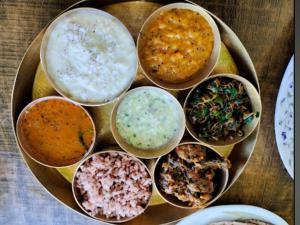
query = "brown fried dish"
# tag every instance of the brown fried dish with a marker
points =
(188, 174)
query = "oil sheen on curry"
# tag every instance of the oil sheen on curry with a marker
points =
(56, 132)
(176, 45)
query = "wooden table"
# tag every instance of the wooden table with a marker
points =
(267, 31)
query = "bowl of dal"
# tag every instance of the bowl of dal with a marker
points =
(178, 46)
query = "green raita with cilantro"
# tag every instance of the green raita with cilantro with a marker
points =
(219, 108)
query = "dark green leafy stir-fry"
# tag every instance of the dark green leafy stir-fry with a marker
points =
(219, 109)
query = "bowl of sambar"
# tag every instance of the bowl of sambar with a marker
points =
(55, 132)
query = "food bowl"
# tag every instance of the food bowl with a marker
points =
(84, 51)
(55, 132)
(247, 126)
(149, 129)
(221, 177)
(80, 189)
(186, 56)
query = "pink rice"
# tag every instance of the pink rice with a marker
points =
(113, 185)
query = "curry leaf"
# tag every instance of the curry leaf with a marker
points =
(248, 120)
(232, 91)
(219, 101)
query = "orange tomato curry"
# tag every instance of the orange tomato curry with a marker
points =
(56, 132)
(176, 45)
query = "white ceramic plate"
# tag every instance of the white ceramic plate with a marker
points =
(284, 118)
(231, 213)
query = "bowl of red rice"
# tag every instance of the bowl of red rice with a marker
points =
(112, 186)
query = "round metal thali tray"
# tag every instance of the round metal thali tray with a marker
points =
(132, 14)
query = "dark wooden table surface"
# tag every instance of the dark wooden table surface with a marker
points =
(266, 28)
